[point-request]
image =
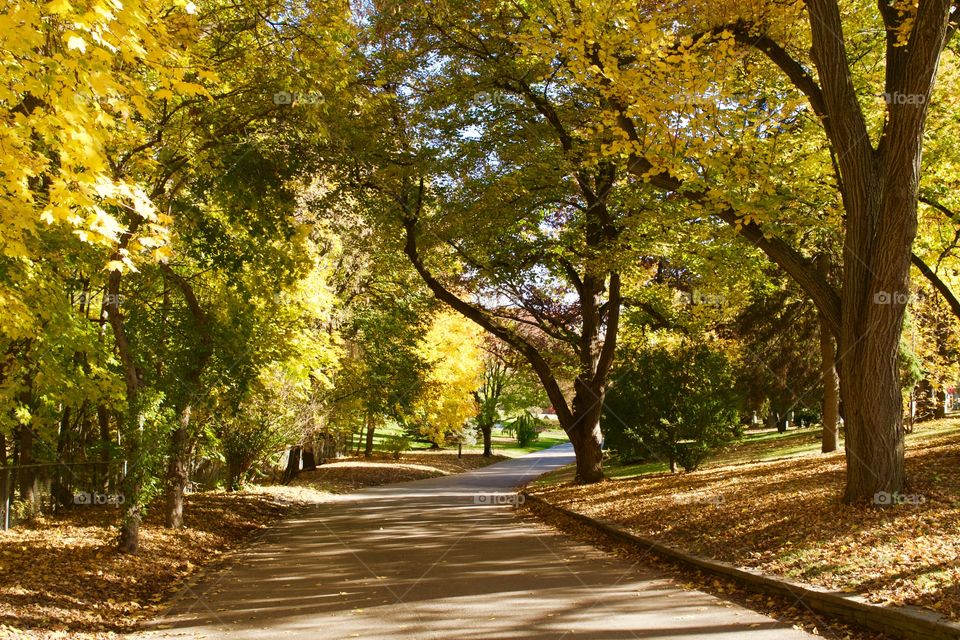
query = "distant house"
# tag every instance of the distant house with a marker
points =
(548, 414)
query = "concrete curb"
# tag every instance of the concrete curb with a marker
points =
(910, 623)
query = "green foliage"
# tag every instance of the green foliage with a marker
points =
(671, 404)
(526, 428)
(396, 445)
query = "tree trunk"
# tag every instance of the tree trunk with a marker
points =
(293, 465)
(309, 458)
(940, 410)
(177, 471)
(487, 431)
(585, 432)
(879, 189)
(63, 497)
(586, 446)
(371, 429)
(104, 481)
(26, 477)
(828, 372)
(831, 391)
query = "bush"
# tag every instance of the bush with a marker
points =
(674, 405)
(525, 427)
(396, 445)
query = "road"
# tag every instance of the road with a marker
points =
(445, 558)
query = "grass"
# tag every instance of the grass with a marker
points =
(503, 444)
(773, 503)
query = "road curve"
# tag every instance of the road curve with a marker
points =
(440, 559)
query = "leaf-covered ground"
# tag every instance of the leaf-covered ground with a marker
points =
(61, 578)
(785, 517)
(349, 474)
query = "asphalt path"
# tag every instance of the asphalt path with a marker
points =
(446, 558)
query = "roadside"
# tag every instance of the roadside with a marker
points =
(773, 504)
(61, 578)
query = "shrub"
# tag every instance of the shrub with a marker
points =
(525, 427)
(396, 445)
(674, 405)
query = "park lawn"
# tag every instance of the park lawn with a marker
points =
(773, 504)
(61, 577)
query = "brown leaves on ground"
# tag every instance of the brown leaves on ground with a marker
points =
(786, 517)
(349, 474)
(62, 577)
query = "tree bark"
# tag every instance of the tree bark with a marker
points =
(584, 432)
(831, 392)
(486, 431)
(104, 480)
(293, 465)
(371, 430)
(26, 475)
(309, 457)
(181, 441)
(177, 470)
(829, 439)
(879, 191)
(63, 497)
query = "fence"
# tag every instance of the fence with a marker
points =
(55, 485)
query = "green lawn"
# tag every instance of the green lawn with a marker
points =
(502, 444)
(757, 446)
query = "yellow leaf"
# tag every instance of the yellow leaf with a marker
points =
(74, 41)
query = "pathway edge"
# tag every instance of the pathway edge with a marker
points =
(905, 622)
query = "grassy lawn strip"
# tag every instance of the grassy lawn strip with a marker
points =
(784, 516)
(62, 578)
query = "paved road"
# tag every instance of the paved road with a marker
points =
(434, 559)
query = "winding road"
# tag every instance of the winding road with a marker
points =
(445, 558)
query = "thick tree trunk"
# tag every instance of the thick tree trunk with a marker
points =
(177, 471)
(585, 432)
(309, 457)
(487, 431)
(586, 446)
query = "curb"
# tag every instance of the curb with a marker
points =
(908, 622)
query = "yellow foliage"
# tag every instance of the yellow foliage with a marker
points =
(452, 349)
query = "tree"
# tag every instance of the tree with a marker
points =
(674, 404)
(452, 352)
(876, 155)
(507, 387)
